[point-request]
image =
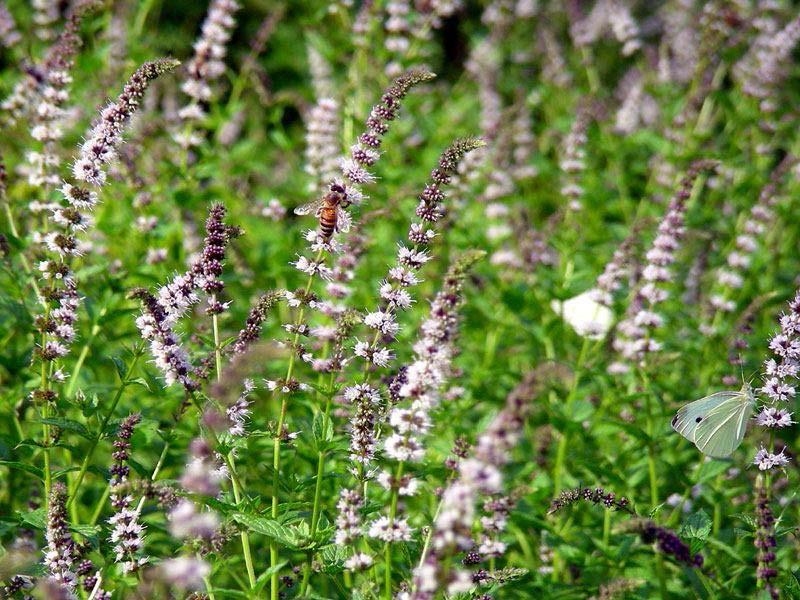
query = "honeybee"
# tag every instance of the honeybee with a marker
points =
(329, 211)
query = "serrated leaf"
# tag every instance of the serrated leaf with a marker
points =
(695, 530)
(270, 528)
(333, 557)
(219, 506)
(35, 518)
(69, 425)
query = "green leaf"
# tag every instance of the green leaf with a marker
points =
(333, 557)
(265, 577)
(629, 428)
(21, 466)
(69, 425)
(695, 530)
(140, 381)
(119, 364)
(35, 518)
(322, 428)
(270, 528)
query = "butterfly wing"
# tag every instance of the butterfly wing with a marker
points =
(717, 423)
(722, 431)
(691, 415)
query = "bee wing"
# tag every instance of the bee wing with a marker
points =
(309, 208)
(343, 220)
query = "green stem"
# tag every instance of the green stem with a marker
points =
(317, 508)
(122, 386)
(561, 451)
(387, 549)
(73, 380)
(276, 442)
(236, 486)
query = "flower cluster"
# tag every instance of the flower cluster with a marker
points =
(764, 67)
(162, 312)
(127, 534)
(393, 290)
(239, 412)
(397, 33)
(97, 150)
(366, 401)
(610, 280)
(202, 475)
(765, 542)
(452, 530)
(780, 374)
(681, 38)
(363, 154)
(637, 107)
(484, 66)
(99, 147)
(636, 330)
(755, 225)
(342, 273)
(9, 36)
(669, 543)
(52, 94)
(523, 142)
(322, 142)
(207, 64)
(156, 326)
(573, 155)
(348, 521)
(608, 15)
(593, 495)
(62, 552)
(424, 379)
(185, 572)
(45, 14)
(255, 318)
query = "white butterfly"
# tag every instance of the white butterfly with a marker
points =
(717, 423)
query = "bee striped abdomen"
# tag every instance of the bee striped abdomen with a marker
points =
(327, 221)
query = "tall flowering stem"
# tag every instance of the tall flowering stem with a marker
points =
(161, 312)
(421, 383)
(765, 542)
(376, 353)
(477, 475)
(62, 552)
(755, 225)
(573, 161)
(127, 535)
(56, 325)
(779, 386)
(363, 155)
(207, 65)
(53, 93)
(636, 339)
(393, 290)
